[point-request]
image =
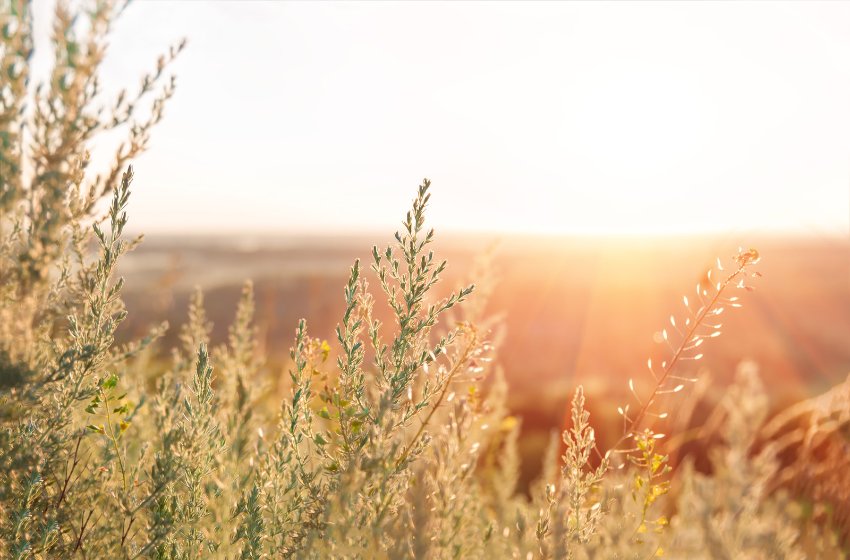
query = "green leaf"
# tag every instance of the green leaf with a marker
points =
(110, 382)
(96, 429)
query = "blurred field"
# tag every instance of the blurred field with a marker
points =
(574, 310)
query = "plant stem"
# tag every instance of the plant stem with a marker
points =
(114, 441)
(440, 398)
(635, 423)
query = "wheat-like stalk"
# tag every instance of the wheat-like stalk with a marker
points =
(692, 332)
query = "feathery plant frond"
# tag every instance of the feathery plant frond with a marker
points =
(651, 469)
(577, 514)
(692, 333)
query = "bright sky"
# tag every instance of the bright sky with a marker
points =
(551, 117)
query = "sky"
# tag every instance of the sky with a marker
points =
(588, 118)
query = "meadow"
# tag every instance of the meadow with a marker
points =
(298, 397)
(571, 311)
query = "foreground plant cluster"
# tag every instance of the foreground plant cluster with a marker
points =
(393, 442)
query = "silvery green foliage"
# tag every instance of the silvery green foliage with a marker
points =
(66, 414)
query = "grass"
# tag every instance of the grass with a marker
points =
(396, 449)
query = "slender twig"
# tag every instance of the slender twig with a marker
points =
(114, 440)
(449, 377)
(79, 544)
(74, 463)
(126, 531)
(677, 355)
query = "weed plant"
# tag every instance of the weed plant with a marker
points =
(392, 450)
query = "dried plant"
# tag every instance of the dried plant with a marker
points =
(576, 514)
(813, 436)
(729, 515)
(691, 333)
